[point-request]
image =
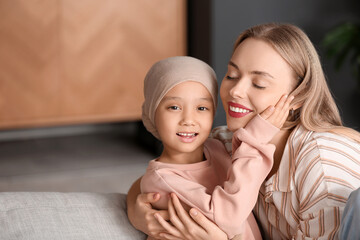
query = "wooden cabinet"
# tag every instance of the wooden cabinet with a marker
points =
(83, 61)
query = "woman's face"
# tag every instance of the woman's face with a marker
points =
(257, 77)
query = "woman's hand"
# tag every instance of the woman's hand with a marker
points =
(185, 226)
(278, 114)
(141, 213)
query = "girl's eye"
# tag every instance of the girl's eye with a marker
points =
(174, 108)
(202, 108)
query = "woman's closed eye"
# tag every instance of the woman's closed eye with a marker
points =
(258, 86)
(231, 77)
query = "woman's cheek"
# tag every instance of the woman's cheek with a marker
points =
(265, 103)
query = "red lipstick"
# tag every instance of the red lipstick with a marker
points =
(237, 110)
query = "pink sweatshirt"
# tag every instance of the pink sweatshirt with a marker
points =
(223, 188)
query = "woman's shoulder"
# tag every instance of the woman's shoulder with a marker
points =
(215, 147)
(326, 144)
(224, 135)
(324, 156)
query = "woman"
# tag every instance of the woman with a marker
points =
(316, 162)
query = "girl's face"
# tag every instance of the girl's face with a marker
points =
(184, 118)
(257, 77)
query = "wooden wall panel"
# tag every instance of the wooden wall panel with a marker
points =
(82, 61)
(28, 61)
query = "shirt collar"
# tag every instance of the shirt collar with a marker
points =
(283, 180)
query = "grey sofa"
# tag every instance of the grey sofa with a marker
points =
(70, 216)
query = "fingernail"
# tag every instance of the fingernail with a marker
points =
(193, 212)
(155, 196)
(156, 216)
(272, 108)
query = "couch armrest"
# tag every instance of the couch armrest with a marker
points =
(55, 215)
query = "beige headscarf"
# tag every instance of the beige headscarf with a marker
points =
(167, 73)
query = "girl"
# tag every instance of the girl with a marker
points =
(180, 101)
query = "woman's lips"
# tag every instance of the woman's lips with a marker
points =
(237, 110)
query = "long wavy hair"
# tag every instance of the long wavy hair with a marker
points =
(318, 111)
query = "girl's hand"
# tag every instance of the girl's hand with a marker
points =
(277, 115)
(144, 215)
(185, 226)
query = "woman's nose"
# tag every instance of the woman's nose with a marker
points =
(239, 89)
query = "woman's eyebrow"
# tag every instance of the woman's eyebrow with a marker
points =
(255, 72)
(261, 73)
(233, 64)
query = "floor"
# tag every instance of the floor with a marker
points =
(102, 161)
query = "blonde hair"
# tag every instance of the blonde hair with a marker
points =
(318, 111)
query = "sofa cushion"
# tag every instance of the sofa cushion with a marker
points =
(55, 215)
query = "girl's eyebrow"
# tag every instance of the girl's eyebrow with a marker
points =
(167, 98)
(255, 72)
(171, 98)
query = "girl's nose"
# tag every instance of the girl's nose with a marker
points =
(187, 118)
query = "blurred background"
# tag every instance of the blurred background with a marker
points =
(71, 75)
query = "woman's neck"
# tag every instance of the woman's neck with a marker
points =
(279, 141)
(168, 156)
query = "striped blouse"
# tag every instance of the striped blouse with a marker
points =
(305, 198)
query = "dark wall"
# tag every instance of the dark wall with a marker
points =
(231, 17)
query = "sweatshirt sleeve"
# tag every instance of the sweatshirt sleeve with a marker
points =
(230, 204)
(252, 161)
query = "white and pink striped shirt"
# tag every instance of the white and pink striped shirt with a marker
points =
(305, 198)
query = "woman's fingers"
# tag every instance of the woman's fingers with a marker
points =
(180, 211)
(144, 209)
(198, 229)
(182, 226)
(169, 229)
(148, 198)
(169, 237)
(211, 229)
(277, 115)
(267, 112)
(174, 215)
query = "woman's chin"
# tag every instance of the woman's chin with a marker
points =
(233, 125)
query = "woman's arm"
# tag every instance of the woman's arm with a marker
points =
(192, 225)
(141, 213)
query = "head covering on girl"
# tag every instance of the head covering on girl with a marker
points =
(166, 74)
